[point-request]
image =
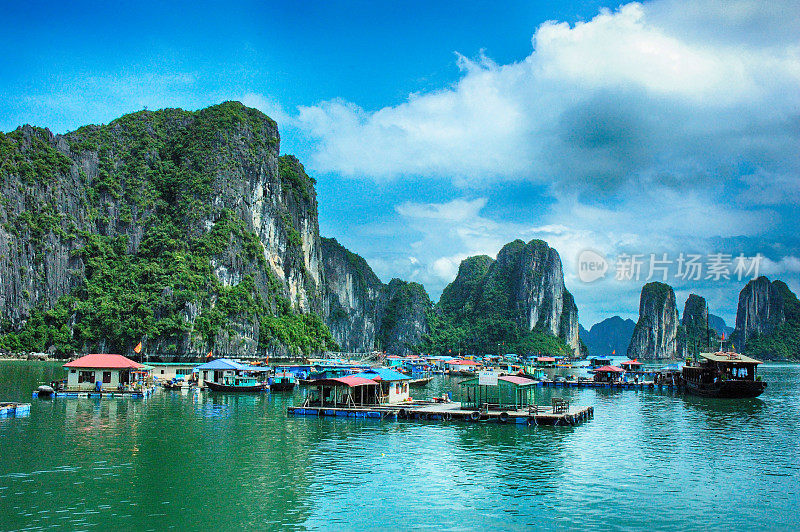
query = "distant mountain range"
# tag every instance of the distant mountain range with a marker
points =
(719, 325)
(609, 336)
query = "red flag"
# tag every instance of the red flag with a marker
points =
(138, 348)
(614, 352)
(208, 355)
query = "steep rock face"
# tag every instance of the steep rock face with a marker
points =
(353, 298)
(610, 336)
(695, 322)
(362, 313)
(524, 285)
(768, 321)
(403, 321)
(187, 225)
(760, 310)
(656, 333)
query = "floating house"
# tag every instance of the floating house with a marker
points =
(462, 365)
(631, 365)
(608, 374)
(510, 392)
(226, 372)
(343, 392)
(393, 385)
(105, 372)
(167, 371)
(597, 362)
(545, 362)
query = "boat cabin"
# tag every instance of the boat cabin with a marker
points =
(608, 374)
(597, 362)
(393, 385)
(98, 372)
(511, 392)
(343, 392)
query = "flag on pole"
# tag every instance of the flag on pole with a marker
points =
(208, 355)
(614, 352)
(138, 348)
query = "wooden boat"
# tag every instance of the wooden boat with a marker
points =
(240, 385)
(723, 375)
(419, 383)
(283, 382)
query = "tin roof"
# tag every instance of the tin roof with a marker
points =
(226, 364)
(104, 361)
(522, 381)
(350, 380)
(383, 374)
(736, 358)
(606, 369)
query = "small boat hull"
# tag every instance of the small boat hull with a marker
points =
(282, 386)
(728, 389)
(216, 387)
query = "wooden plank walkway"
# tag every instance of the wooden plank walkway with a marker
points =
(426, 411)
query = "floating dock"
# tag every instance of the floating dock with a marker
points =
(618, 385)
(15, 409)
(534, 415)
(103, 394)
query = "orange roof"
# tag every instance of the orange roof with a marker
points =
(463, 362)
(608, 369)
(104, 361)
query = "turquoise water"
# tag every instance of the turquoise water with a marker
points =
(204, 460)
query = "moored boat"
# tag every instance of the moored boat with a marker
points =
(724, 375)
(283, 382)
(238, 384)
(419, 383)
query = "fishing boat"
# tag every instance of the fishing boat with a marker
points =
(283, 382)
(237, 383)
(725, 375)
(420, 382)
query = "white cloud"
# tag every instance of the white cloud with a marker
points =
(625, 97)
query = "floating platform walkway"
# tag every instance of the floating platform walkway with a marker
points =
(429, 411)
(617, 385)
(15, 409)
(103, 394)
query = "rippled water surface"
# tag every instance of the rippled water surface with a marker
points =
(203, 460)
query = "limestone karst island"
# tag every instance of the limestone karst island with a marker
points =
(355, 266)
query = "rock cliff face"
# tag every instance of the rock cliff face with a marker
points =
(697, 333)
(354, 298)
(182, 230)
(656, 333)
(760, 310)
(610, 336)
(768, 321)
(524, 285)
(363, 314)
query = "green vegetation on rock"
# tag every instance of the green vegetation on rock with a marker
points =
(157, 170)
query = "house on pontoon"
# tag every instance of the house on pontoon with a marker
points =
(343, 392)
(393, 385)
(99, 372)
(510, 392)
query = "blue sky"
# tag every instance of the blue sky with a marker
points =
(438, 130)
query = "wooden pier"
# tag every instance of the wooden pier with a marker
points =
(558, 414)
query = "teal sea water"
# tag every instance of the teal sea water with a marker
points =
(648, 460)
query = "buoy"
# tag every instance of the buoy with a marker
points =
(503, 417)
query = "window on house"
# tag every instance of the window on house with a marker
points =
(85, 376)
(106, 377)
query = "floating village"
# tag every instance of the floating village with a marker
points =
(499, 389)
